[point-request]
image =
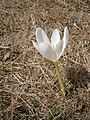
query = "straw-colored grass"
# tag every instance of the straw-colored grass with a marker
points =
(29, 89)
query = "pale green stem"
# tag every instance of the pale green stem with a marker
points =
(59, 77)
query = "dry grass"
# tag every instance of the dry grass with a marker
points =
(29, 89)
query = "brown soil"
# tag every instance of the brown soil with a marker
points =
(29, 88)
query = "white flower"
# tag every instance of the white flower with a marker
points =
(53, 49)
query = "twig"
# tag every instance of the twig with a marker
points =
(72, 60)
(3, 47)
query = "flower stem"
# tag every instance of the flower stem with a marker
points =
(59, 77)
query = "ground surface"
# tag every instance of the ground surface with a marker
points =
(29, 89)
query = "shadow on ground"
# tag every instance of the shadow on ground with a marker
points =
(78, 78)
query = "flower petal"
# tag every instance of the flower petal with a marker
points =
(55, 38)
(47, 51)
(41, 36)
(66, 37)
(36, 46)
(58, 48)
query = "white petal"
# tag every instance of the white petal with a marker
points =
(66, 37)
(47, 51)
(41, 36)
(58, 48)
(55, 38)
(36, 46)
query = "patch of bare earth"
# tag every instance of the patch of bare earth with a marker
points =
(29, 88)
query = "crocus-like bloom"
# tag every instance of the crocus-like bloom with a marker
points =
(53, 49)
